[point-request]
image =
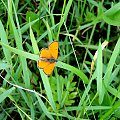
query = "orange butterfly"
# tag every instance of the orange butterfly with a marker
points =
(48, 58)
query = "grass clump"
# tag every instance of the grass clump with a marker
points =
(85, 81)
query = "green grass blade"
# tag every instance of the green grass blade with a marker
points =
(86, 90)
(5, 41)
(74, 70)
(99, 74)
(48, 29)
(45, 110)
(114, 92)
(46, 32)
(6, 93)
(27, 26)
(20, 110)
(18, 40)
(24, 96)
(59, 93)
(109, 112)
(111, 63)
(4, 65)
(47, 87)
(34, 43)
(89, 108)
(21, 53)
(32, 110)
(64, 15)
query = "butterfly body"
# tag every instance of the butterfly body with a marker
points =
(51, 60)
(48, 58)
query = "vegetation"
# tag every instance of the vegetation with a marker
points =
(85, 83)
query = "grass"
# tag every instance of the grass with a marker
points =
(85, 81)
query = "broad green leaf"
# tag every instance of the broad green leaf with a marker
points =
(31, 16)
(112, 16)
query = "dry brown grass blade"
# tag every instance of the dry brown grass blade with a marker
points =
(104, 44)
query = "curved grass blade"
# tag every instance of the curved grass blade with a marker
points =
(74, 70)
(6, 93)
(21, 52)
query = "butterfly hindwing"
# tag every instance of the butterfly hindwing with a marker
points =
(49, 68)
(44, 53)
(41, 64)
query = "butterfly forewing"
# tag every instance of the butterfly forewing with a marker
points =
(45, 53)
(53, 47)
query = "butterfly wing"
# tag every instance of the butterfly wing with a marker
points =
(44, 53)
(41, 64)
(49, 68)
(53, 48)
(51, 52)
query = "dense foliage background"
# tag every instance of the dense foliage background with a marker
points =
(85, 81)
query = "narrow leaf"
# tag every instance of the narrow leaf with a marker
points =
(6, 93)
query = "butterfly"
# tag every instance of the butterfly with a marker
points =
(48, 58)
